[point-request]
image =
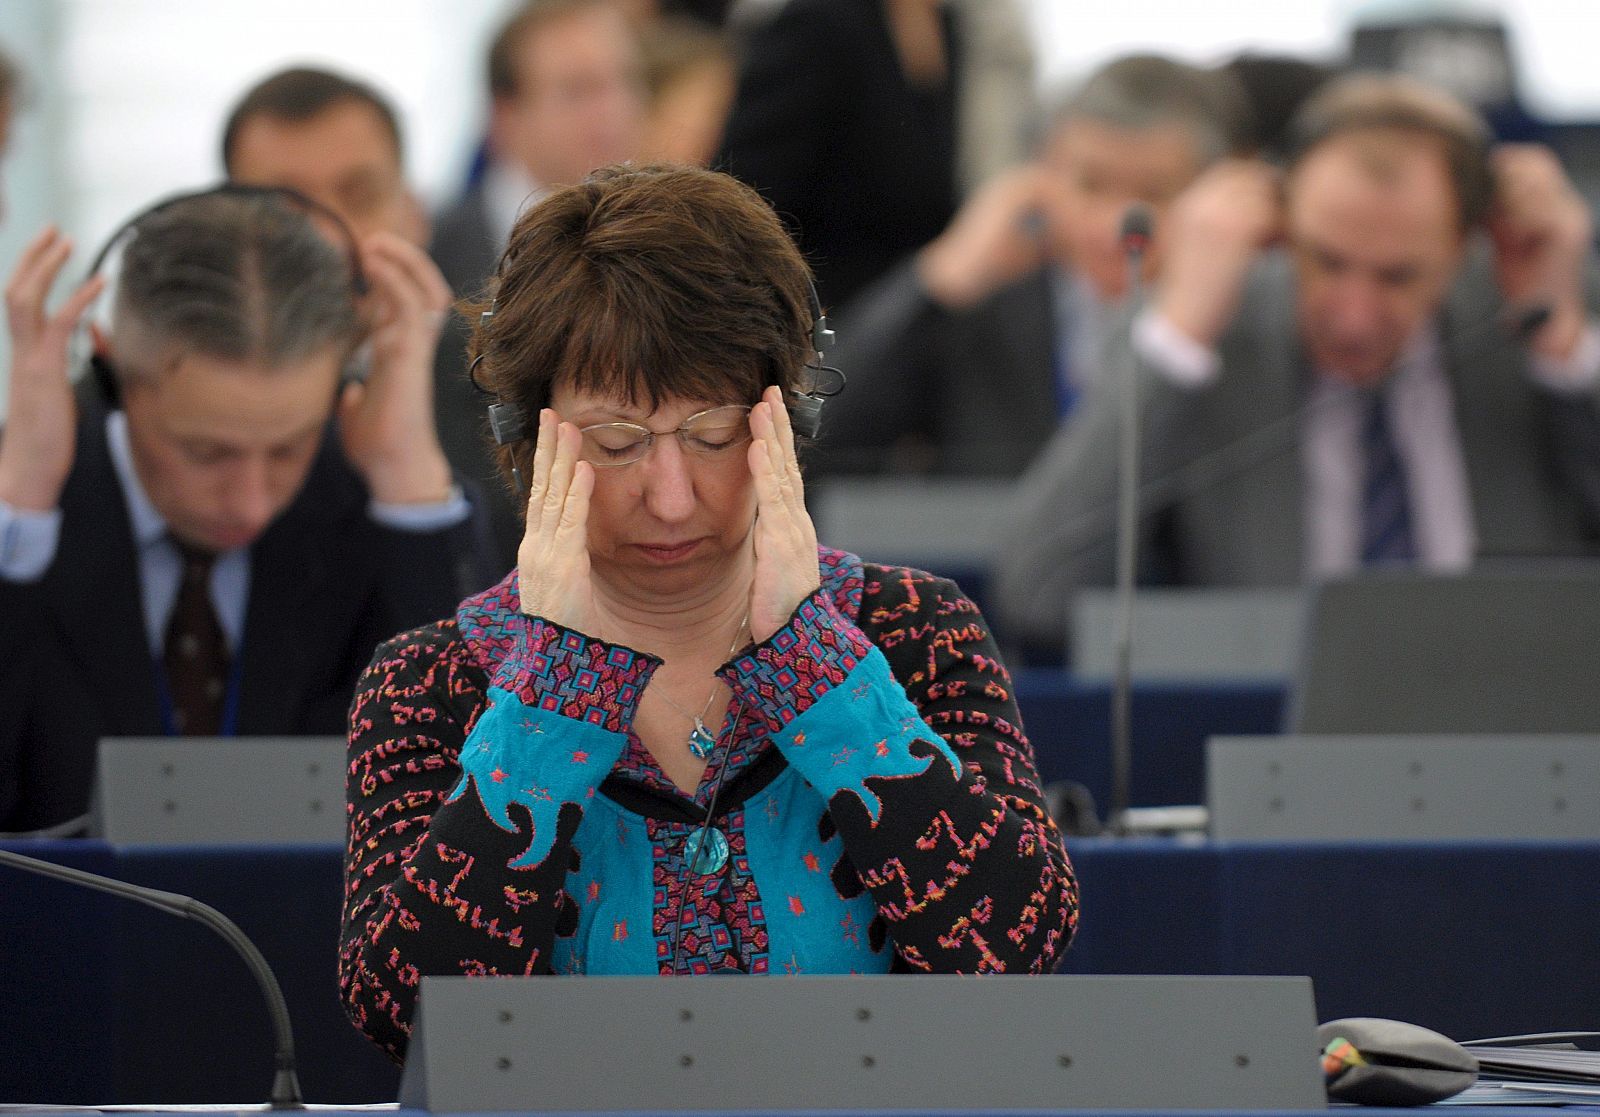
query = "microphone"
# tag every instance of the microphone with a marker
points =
(285, 1082)
(1134, 239)
(1137, 226)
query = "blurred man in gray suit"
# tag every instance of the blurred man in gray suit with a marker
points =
(1389, 387)
(962, 359)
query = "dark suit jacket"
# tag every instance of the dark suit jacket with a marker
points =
(968, 394)
(467, 255)
(327, 584)
(857, 160)
(1222, 476)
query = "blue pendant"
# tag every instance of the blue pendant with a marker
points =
(706, 851)
(701, 741)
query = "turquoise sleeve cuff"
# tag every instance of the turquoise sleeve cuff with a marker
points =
(539, 759)
(862, 729)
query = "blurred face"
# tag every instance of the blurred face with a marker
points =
(223, 448)
(1376, 246)
(579, 102)
(671, 519)
(1104, 170)
(343, 157)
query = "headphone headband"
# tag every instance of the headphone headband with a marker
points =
(104, 378)
(312, 207)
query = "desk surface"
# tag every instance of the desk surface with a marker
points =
(389, 1111)
(104, 1000)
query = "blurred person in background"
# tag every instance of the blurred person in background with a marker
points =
(865, 121)
(963, 359)
(1412, 379)
(338, 141)
(332, 138)
(212, 534)
(566, 95)
(689, 76)
(1275, 87)
(566, 92)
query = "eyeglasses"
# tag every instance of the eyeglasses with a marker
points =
(706, 433)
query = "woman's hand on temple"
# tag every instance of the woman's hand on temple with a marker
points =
(553, 559)
(785, 538)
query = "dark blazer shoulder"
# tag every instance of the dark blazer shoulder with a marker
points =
(462, 244)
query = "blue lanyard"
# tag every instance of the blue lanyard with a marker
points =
(230, 701)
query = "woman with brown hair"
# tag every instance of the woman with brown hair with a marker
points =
(682, 737)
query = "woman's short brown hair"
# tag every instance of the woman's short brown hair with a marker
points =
(647, 284)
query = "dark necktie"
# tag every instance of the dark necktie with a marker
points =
(196, 656)
(1386, 505)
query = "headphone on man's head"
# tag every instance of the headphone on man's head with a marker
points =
(508, 425)
(100, 369)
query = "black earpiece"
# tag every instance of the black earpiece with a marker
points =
(105, 381)
(805, 405)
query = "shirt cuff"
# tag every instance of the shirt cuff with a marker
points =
(562, 671)
(1579, 372)
(422, 518)
(1171, 352)
(27, 542)
(782, 677)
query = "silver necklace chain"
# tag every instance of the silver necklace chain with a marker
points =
(700, 736)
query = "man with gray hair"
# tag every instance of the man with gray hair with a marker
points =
(190, 546)
(963, 359)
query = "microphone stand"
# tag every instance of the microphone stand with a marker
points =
(285, 1082)
(1135, 239)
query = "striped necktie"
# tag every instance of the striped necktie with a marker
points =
(1386, 538)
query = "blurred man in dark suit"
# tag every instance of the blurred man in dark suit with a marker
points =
(566, 95)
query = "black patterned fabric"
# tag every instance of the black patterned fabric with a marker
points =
(906, 805)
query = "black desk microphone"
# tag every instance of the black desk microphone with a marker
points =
(1134, 240)
(285, 1082)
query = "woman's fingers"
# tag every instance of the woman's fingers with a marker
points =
(784, 467)
(769, 497)
(572, 531)
(544, 451)
(780, 417)
(553, 562)
(567, 440)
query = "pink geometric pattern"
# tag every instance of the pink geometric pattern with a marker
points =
(781, 678)
(723, 925)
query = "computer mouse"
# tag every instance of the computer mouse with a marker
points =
(1370, 1061)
